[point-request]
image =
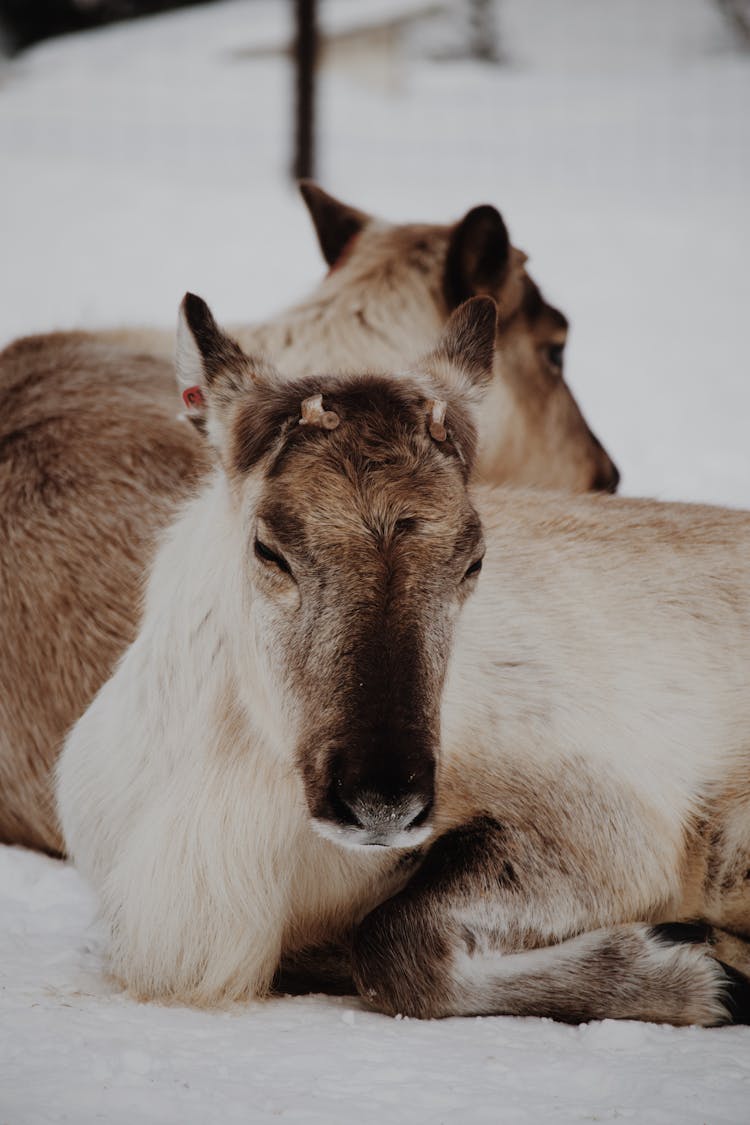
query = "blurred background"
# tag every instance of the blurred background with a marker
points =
(148, 147)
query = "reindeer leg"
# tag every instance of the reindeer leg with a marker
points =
(731, 949)
(322, 968)
(449, 944)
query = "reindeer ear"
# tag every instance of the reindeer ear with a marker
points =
(335, 223)
(460, 369)
(468, 341)
(211, 368)
(478, 256)
(204, 352)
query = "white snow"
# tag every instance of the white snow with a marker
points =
(148, 158)
(72, 1048)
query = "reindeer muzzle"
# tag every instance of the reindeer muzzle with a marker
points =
(385, 811)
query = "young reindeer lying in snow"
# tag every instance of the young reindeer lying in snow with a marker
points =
(482, 742)
(93, 457)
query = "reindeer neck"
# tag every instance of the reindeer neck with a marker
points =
(188, 637)
(196, 780)
(353, 322)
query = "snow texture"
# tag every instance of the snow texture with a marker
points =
(148, 158)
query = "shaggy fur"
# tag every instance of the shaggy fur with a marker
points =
(93, 457)
(80, 464)
(534, 771)
(384, 305)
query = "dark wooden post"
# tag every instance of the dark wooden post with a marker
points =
(305, 61)
(482, 33)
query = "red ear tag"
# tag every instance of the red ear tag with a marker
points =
(193, 398)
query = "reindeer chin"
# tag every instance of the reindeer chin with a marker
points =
(357, 839)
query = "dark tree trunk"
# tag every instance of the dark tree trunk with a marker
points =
(305, 60)
(483, 32)
(738, 14)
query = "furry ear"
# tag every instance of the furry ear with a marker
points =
(460, 370)
(335, 222)
(212, 369)
(466, 348)
(478, 256)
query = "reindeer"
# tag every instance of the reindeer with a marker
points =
(386, 298)
(93, 458)
(473, 748)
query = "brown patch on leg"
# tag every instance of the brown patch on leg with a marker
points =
(324, 968)
(732, 949)
(717, 885)
(447, 945)
(402, 951)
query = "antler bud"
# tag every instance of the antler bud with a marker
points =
(436, 408)
(313, 414)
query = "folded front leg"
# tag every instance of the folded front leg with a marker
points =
(450, 944)
(322, 968)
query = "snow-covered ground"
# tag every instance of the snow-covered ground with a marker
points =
(148, 158)
(73, 1049)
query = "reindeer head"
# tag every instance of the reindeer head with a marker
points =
(531, 431)
(359, 546)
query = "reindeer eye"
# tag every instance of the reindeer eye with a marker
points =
(473, 569)
(555, 355)
(266, 555)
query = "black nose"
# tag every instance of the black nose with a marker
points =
(607, 479)
(377, 815)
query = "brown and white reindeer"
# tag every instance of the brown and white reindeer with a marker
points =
(487, 748)
(93, 457)
(385, 300)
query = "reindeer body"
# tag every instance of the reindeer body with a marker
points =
(85, 491)
(598, 730)
(95, 459)
(593, 710)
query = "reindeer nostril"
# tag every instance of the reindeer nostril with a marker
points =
(341, 810)
(422, 815)
(614, 480)
(374, 813)
(606, 480)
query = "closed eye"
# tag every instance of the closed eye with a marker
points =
(556, 355)
(266, 555)
(473, 569)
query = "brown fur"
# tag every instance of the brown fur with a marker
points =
(393, 497)
(716, 884)
(94, 461)
(391, 288)
(322, 591)
(527, 856)
(90, 471)
(393, 688)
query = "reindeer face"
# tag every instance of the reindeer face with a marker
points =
(361, 545)
(541, 438)
(364, 547)
(531, 431)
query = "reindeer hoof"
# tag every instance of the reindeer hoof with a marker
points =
(683, 933)
(731, 987)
